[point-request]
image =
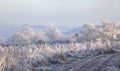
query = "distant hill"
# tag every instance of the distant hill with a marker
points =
(75, 30)
(7, 31)
(38, 28)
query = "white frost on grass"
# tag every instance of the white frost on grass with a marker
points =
(54, 57)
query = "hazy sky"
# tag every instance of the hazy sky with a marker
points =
(60, 12)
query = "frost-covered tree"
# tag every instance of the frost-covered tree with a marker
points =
(52, 32)
(20, 39)
(27, 31)
(89, 26)
(88, 32)
(108, 30)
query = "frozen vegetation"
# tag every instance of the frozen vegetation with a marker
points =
(93, 48)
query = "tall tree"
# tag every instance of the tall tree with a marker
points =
(52, 32)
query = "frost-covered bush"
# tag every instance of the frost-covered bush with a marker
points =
(49, 57)
(20, 39)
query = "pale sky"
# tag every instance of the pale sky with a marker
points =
(60, 12)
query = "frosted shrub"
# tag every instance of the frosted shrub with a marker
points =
(47, 57)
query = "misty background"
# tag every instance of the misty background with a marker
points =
(67, 13)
